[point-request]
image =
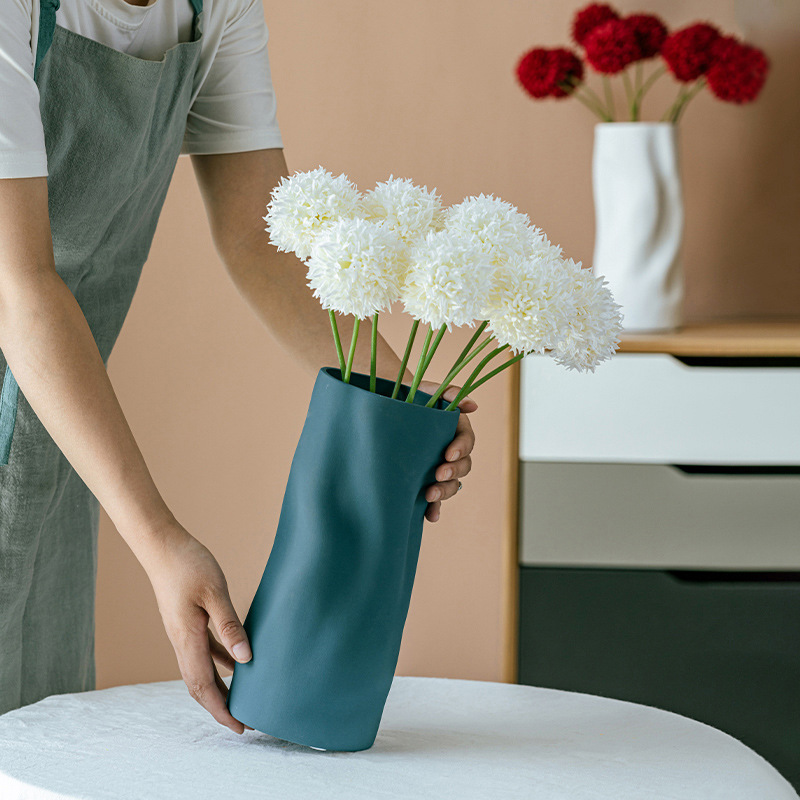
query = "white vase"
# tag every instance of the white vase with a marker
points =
(639, 221)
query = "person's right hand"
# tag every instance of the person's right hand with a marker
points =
(191, 592)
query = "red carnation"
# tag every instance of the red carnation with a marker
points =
(738, 71)
(688, 52)
(587, 19)
(544, 73)
(612, 46)
(650, 32)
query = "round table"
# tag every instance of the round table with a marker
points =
(439, 739)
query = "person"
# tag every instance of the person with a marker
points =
(97, 100)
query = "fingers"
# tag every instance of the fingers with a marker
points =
(226, 623)
(201, 678)
(220, 654)
(432, 511)
(453, 469)
(467, 405)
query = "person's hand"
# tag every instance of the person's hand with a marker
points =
(458, 459)
(191, 592)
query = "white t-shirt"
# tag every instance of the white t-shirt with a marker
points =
(233, 102)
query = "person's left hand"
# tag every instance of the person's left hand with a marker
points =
(458, 459)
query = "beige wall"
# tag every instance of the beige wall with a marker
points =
(422, 89)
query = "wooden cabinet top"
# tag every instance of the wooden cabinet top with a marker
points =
(741, 338)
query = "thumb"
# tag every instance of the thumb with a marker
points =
(225, 620)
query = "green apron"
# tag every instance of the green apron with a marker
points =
(113, 128)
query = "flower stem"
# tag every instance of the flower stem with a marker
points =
(671, 110)
(629, 92)
(351, 355)
(687, 99)
(471, 342)
(373, 360)
(441, 332)
(495, 371)
(590, 100)
(609, 98)
(644, 88)
(468, 385)
(457, 367)
(420, 367)
(404, 362)
(338, 341)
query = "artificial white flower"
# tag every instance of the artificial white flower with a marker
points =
(303, 204)
(592, 334)
(409, 211)
(356, 267)
(532, 302)
(498, 227)
(447, 280)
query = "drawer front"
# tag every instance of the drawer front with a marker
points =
(653, 408)
(645, 515)
(720, 651)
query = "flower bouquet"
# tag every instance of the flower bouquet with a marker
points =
(637, 187)
(327, 620)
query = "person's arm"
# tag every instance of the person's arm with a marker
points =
(51, 352)
(236, 188)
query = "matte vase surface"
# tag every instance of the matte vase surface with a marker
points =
(639, 221)
(327, 619)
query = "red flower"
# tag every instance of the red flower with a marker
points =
(544, 73)
(612, 46)
(587, 19)
(650, 32)
(688, 52)
(738, 71)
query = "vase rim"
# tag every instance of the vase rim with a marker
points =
(629, 124)
(333, 373)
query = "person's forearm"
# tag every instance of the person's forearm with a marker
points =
(274, 285)
(51, 352)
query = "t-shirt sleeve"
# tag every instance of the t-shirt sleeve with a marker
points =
(22, 150)
(235, 109)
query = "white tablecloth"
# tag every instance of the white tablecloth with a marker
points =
(439, 739)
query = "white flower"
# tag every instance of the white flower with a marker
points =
(532, 303)
(409, 211)
(303, 204)
(496, 226)
(592, 335)
(447, 280)
(356, 267)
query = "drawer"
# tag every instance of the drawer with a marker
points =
(721, 649)
(653, 408)
(647, 515)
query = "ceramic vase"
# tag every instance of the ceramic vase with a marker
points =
(327, 619)
(639, 221)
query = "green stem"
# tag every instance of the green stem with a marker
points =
(404, 362)
(609, 97)
(433, 347)
(338, 341)
(495, 371)
(468, 385)
(471, 342)
(644, 88)
(629, 93)
(373, 360)
(688, 98)
(591, 100)
(457, 367)
(639, 75)
(420, 367)
(351, 355)
(668, 114)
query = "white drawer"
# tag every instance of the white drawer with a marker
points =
(656, 516)
(653, 408)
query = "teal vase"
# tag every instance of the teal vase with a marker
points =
(327, 619)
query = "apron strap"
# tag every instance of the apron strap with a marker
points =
(47, 26)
